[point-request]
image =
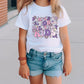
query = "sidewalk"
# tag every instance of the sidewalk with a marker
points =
(9, 65)
(12, 14)
(9, 30)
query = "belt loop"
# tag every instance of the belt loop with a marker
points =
(31, 52)
(50, 54)
(34, 53)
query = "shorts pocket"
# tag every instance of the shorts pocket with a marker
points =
(57, 57)
(29, 56)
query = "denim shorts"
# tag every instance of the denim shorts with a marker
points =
(49, 63)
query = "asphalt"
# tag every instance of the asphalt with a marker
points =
(9, 65)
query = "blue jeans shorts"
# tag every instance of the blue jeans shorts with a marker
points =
(49, 63)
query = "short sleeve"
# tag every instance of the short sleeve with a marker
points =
(65, 20)
(22, 19)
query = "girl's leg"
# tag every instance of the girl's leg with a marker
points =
(36, 79)
(53, 80)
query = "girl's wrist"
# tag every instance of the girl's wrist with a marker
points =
(67, 60)
(22, 58)
(68, 57)
(23, 62)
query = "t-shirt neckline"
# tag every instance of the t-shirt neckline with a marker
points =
(43, 7)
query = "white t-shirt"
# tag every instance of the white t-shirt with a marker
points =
(43, 27)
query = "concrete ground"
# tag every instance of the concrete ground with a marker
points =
(9, 65)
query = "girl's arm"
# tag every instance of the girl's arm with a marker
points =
(22, 43)
(66, 49)
(23, 70)
(66, 43)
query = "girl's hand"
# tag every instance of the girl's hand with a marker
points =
(24, 71)
(67, 67)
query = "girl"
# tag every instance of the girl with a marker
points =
(42, 38)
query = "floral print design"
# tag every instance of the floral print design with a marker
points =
(45, 27)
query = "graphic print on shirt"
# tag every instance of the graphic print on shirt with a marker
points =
(45, 27)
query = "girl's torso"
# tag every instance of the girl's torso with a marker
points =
(43, 30)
